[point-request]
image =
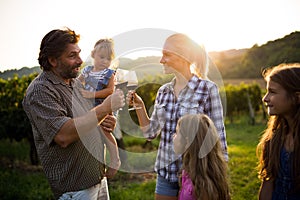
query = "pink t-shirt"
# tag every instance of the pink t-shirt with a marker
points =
(187, 189)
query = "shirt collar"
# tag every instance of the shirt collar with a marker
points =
(192, 84)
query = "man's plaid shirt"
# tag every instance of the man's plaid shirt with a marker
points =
(199, 96)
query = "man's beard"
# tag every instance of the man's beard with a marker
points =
(67, 71)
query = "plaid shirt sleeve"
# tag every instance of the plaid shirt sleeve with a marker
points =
(215, 112)
(158, 117)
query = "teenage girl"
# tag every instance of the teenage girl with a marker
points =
(279, 147)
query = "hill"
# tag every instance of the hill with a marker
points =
(140, 65)
(233, 63)
(25, 71)
(248, 63)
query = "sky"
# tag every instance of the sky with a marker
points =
(216, 24)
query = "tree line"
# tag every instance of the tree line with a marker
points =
(15, 125)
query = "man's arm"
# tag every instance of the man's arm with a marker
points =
(69, 131)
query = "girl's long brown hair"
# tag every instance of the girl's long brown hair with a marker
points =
(272, 140)
(203, 159)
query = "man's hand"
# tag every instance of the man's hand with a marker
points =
(109, 123)
(87, 94)
(114, 101)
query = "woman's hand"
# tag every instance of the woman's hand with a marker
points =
(133, 99)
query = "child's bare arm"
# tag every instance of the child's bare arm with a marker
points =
(108, 90)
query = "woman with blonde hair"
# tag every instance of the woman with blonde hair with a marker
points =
(190, 92)
(204, 169)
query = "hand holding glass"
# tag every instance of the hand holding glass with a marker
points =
(132, 79)
(133, 87)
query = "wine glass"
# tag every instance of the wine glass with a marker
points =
(132, 85)
(121, 86)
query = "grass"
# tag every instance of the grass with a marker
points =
(127, 186)
(19, 180)
(17, 184)
(242, 141)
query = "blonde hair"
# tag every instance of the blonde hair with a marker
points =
(107, 44)
(192, 52)
(207, 169)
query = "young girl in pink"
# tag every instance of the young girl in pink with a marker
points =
(204, 169)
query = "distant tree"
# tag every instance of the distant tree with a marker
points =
(14, 122)
(242, 99)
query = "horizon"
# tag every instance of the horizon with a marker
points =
(218, 25)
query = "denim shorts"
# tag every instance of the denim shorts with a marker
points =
(166, 188)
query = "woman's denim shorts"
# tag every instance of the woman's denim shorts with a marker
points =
(166, 188)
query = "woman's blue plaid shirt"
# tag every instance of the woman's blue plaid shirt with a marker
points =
(199, 96)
